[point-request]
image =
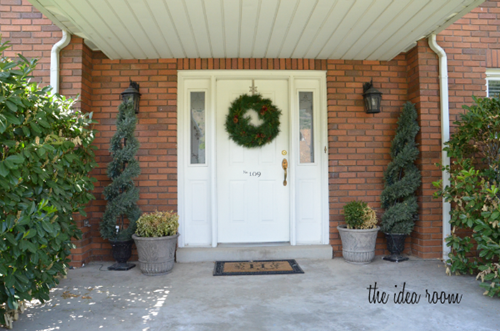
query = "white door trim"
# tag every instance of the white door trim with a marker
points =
(211, 77)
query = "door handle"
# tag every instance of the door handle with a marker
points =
(284, 164)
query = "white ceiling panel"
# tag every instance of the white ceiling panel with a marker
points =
(163, 19)
(249, 22)
(268, 10)
(318, 18)
(392, 26)
(282, 22)
(134, 25)
(183, 26)
(94, 31)
(196, 14)
(315, 29)
(213, 14)
(109, 24)
(371, 15)
(305, 8)
(427, 16)
(376, 29)
(231, 18)
(329, 28)
(149, 29)
(351, 20)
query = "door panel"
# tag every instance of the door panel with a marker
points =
(253, 203)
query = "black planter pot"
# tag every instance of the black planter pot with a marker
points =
(122, 251)
(395, 245)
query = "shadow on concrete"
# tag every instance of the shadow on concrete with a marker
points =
(330, 295)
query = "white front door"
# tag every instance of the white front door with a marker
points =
(253, 204)
(230, 194)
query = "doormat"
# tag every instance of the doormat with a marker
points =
(263, 267)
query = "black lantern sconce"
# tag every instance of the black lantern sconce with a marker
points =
(132, 92)
(372, 98)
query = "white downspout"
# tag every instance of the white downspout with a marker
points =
(445, 131)
(54, 60)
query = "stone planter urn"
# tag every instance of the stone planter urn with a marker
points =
(156, 254)
(358, 246)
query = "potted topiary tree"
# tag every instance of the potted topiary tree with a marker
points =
(156, 240)
(402, 179)
(359, 234)
(121, 194)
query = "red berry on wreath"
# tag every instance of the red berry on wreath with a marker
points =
(263, 110)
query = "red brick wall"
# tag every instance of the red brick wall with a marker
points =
(423, 83)
(157, 124)
(359, 143)
(30, 33)
(156, 130)
(75, 81)
(75, 73)
(259, 64)
(472, 45)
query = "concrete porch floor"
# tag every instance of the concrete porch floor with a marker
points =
(331, 295)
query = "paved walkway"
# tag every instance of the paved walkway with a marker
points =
(331, 295)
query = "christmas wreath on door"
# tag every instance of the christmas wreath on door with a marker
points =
(242, 131)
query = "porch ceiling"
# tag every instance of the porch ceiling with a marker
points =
(317, 29)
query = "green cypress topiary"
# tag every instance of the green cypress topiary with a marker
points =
(121, 194)
(402, 177)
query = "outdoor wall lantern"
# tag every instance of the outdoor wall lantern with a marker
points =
(372, 98)
(132, 92)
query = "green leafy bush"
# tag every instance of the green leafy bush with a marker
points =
(474, 194)
(157, 224)
(45, 158)
(358, 215)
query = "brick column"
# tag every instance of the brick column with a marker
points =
(75, 75)
(423, 90)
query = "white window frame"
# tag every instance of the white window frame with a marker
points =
(491, 74)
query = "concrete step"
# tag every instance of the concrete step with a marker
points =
(243, 253)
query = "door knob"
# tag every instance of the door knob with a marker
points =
(284, 164)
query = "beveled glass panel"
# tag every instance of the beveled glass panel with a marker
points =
(306, 127)
(494, 88)
(197, 105)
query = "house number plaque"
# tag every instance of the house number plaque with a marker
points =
(252, 173)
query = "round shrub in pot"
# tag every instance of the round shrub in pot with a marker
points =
(359, 234)
(156, 241)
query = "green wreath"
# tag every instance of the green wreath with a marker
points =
(238, 125)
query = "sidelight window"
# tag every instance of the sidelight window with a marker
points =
(306, 127)
(198, 127)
